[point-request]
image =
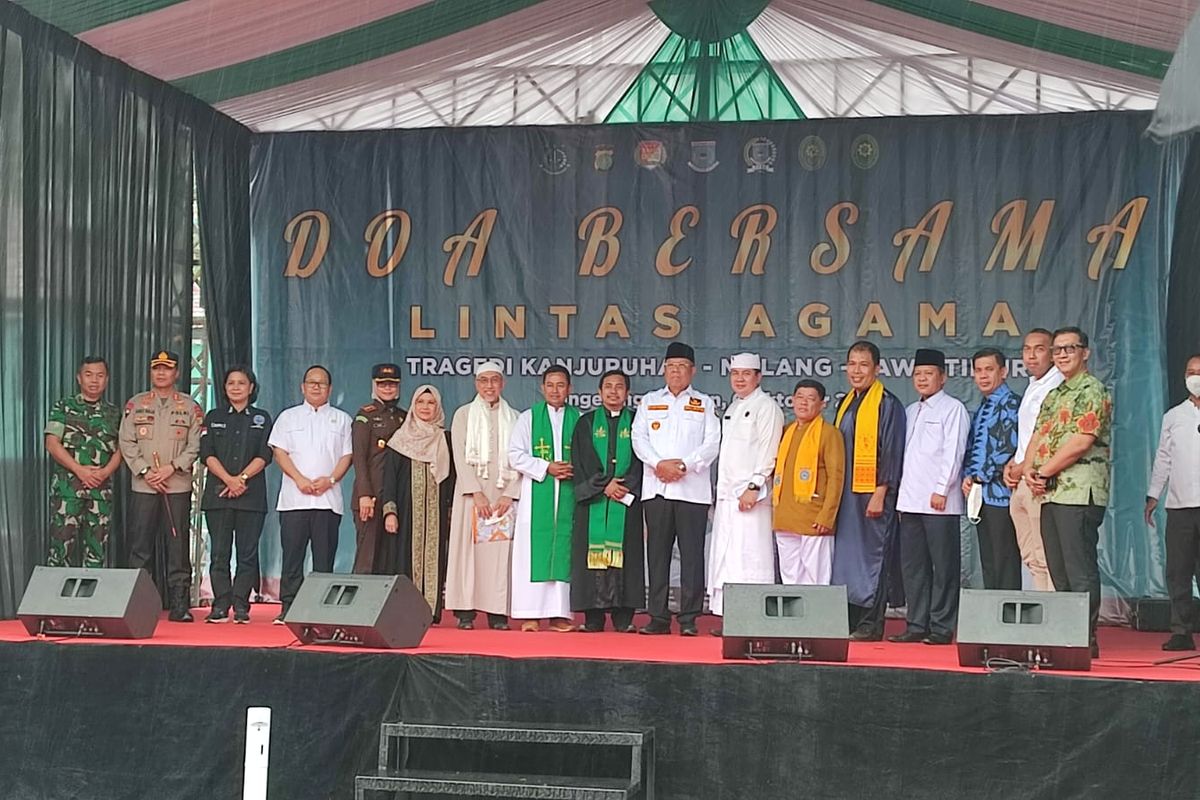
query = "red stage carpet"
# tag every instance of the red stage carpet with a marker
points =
(1124, 653)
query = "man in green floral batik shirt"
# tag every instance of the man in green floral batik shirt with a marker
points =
(1069, 469)
(81, 437)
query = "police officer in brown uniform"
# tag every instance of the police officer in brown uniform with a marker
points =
(373, 425)
(159, 440)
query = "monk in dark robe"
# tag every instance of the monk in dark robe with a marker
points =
(872, 423)
(608, 552)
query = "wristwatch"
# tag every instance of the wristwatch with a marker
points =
(754, 487)
(142, 474)
(244, 477)
(682, 465)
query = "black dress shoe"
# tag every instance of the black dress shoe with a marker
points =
(717, 631)
(180, 615)
(867, 635)
(466, 625)
(938, 638)
(630, 628)
(587, 628)
(908, 637)
(688, 629)
(1179, 641)
(498, 626)
(656, 628)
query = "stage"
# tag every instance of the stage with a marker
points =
(165, 717)
(1125, 654)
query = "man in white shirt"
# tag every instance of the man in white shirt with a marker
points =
(930, 504)
(743, 547)
(677, 436)
(312, 446)
(540, 450)
(1177, 469)
(1025, 509)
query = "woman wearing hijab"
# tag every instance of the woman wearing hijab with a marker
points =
(418, 490)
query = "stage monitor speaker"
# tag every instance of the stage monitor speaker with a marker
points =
(385, 611)
(804, 623)
(1045, 630)
(73, 601)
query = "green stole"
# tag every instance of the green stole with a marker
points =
(550, 532)
(606, 517)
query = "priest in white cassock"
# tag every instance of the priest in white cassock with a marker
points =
(481, 521)
(540, 451)
(742, 549)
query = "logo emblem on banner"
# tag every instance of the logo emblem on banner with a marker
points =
(813, 153)
(864, 152)
(603, 159)
(554, 161)
(759, 154)
(704, 156)
(651, 154)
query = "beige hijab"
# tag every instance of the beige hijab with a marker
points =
(424, 441)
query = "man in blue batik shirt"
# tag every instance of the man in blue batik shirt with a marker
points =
(991, 445)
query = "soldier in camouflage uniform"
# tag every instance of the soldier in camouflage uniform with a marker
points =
(81, 437)
(373, 425)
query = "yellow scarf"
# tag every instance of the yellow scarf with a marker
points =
(866, 436)
(804, 478)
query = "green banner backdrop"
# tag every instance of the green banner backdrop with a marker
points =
(598, 245)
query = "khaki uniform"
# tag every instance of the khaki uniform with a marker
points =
(169, 427)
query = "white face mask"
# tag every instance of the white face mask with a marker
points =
(1193, 385)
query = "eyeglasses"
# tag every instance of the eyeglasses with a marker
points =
(315, 383)
(1069, 349)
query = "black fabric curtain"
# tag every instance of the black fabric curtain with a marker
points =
(1183, 295)
(223, 199)
(95, 252)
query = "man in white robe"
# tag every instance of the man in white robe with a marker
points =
(481, 520)
(743, 542)
(544, 591)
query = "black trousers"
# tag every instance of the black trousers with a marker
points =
(669, 521)
(225, 525)
(930, 559)
(1070, 535)
(622, 618)
(149, 526)
(297, 530)
(1183, 561)
(998, 550)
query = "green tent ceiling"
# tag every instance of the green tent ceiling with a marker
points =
(316, 64)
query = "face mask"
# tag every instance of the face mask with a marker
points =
(1193, 385)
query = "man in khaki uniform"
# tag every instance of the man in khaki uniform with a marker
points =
(160, 439)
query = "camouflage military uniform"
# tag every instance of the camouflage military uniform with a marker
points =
(80, 518)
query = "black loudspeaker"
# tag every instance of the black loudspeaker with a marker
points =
(1154, 614)
(384, 611)
(804, 623)
(1046, 630)
(117, 603)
